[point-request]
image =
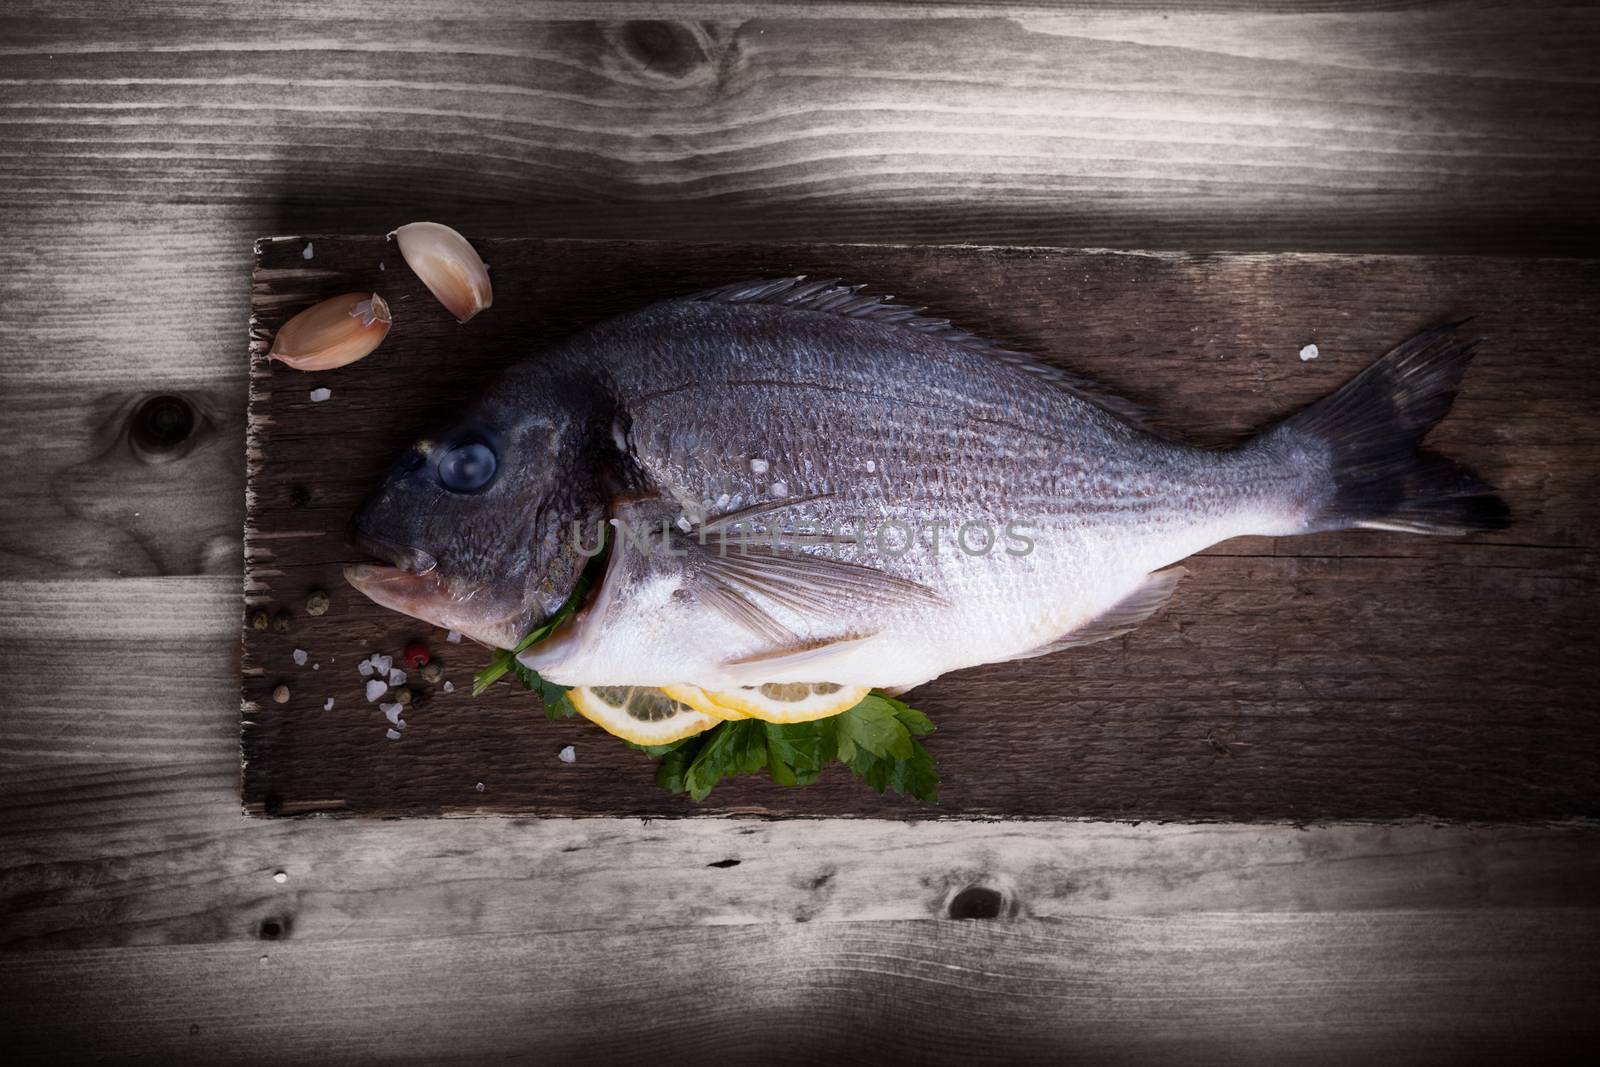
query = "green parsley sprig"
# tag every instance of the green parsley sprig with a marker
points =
(876, 739)
(506, 659)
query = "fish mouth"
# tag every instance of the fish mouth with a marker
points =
(410, 583)
(412, 561)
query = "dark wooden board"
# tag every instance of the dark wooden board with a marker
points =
(1359, 675)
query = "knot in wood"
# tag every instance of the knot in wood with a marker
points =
(664, 54)
(162, 423)
(274, 928)
(977, 902)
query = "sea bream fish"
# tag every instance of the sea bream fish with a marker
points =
(804, 483)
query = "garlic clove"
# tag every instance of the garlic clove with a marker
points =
(333, 333)
(450, 267)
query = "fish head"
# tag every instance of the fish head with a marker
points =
(475, 524)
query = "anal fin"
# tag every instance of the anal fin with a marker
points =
(1122, 617)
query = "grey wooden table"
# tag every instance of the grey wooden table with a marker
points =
(141, 152)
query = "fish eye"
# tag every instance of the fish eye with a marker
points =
(467, 467)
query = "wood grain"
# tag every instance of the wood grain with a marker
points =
(1358, 675)
(122, 828)
(1290, 989)
(1450, 126)
(143, 147)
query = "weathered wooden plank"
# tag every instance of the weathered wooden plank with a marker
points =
(116, 614)
(155, 863)
(1449, 126)
(120, 788)
(537, 11)
(1360, 675)
(101, 311)
(128, 219)
(142, 150)
(1290, 989)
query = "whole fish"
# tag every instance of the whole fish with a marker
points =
(804, 483)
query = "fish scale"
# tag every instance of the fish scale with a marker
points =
(821, 408)
(1009, 453)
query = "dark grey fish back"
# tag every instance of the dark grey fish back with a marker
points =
(727, 403)
(878, 364)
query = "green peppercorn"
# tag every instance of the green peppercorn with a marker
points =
(317, 603)
(281, 694)
(280, 622)
(401, 695)
(259, 620)
(432, 672)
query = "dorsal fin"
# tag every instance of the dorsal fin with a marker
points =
(834, 297)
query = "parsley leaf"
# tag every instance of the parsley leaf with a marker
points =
(731, 748)
(505, 659)
(554, 697)
(876, 739)
(872, 728)
(673, 773)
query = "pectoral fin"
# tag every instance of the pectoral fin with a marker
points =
(779, 593)
(745, 580)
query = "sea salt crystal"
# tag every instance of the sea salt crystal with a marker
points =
(722, 500)
(872, 465)
(397, 677)
(568, 755)
(365, 667)
(1309, 352)
(327, 705)
(316, 666)
(759, 466)
(319, 395)
(684, 525)
(375, 689)
(393, 735)
(300, 657)
(306, 252)
(382, 663)
(449, 687)
(454, 637)
(280, 877)
(392, 711)
(780, 488)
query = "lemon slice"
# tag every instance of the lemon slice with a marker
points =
(701, 701)
(790, 701)
(639, 714)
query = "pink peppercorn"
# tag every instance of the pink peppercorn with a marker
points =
(414, 657)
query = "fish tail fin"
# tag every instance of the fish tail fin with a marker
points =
(1371, 431)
